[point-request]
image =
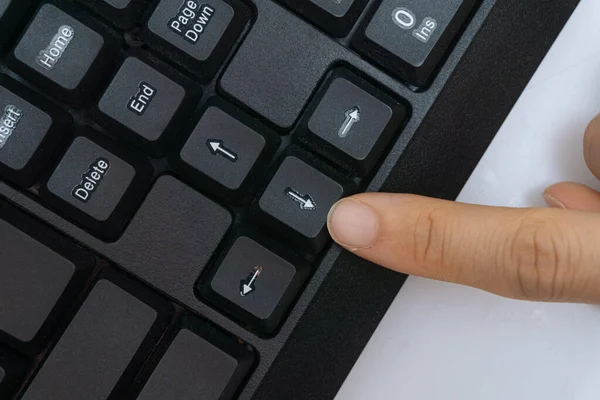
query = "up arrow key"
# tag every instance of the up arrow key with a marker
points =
(352, 117)
(216, 147)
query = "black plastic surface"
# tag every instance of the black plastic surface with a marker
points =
(122, 13)
(12, 377)
(456, 118)
(11, 13)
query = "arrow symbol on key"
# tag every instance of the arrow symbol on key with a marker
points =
(216, 147)
(247, 285)
(352, 117)
(306, 201)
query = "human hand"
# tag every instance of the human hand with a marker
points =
(545, 254)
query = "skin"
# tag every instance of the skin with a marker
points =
(548, 254)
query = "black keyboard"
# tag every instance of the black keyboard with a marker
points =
(166, 170)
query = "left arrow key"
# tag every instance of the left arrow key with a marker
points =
(218, 148)
(224, 151)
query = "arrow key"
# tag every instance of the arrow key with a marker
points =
(255, 284)
(352, 121)
(297, 201)
(223, 150)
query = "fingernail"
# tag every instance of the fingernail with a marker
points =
(553, 201)
(353, 224)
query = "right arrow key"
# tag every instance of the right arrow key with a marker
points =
(297, 201)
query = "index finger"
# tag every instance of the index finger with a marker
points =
(535, 254)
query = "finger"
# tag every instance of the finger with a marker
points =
(591, 146)
(535, 254)
(572, 196)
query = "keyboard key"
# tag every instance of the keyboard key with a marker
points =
(199, 364)
(98, 346)
(91, 178)
(201, 32)
(225, 150)
(29, 289)
(96, 186)
(410, 37)
(297, 202)
(121, 13)
(35, 295)
(178, 227)
(336, 17)
(352, 122)
(30, 132)
(11, 14)
(62, 54)
(142, 104)
(272, 77)
(255, 285)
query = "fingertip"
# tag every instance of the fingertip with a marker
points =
(591, 146)
(551, 200)
(572, 196)
(353, 224)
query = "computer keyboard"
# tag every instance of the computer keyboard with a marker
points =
(167, 167)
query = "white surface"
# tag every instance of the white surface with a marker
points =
(442, 341)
